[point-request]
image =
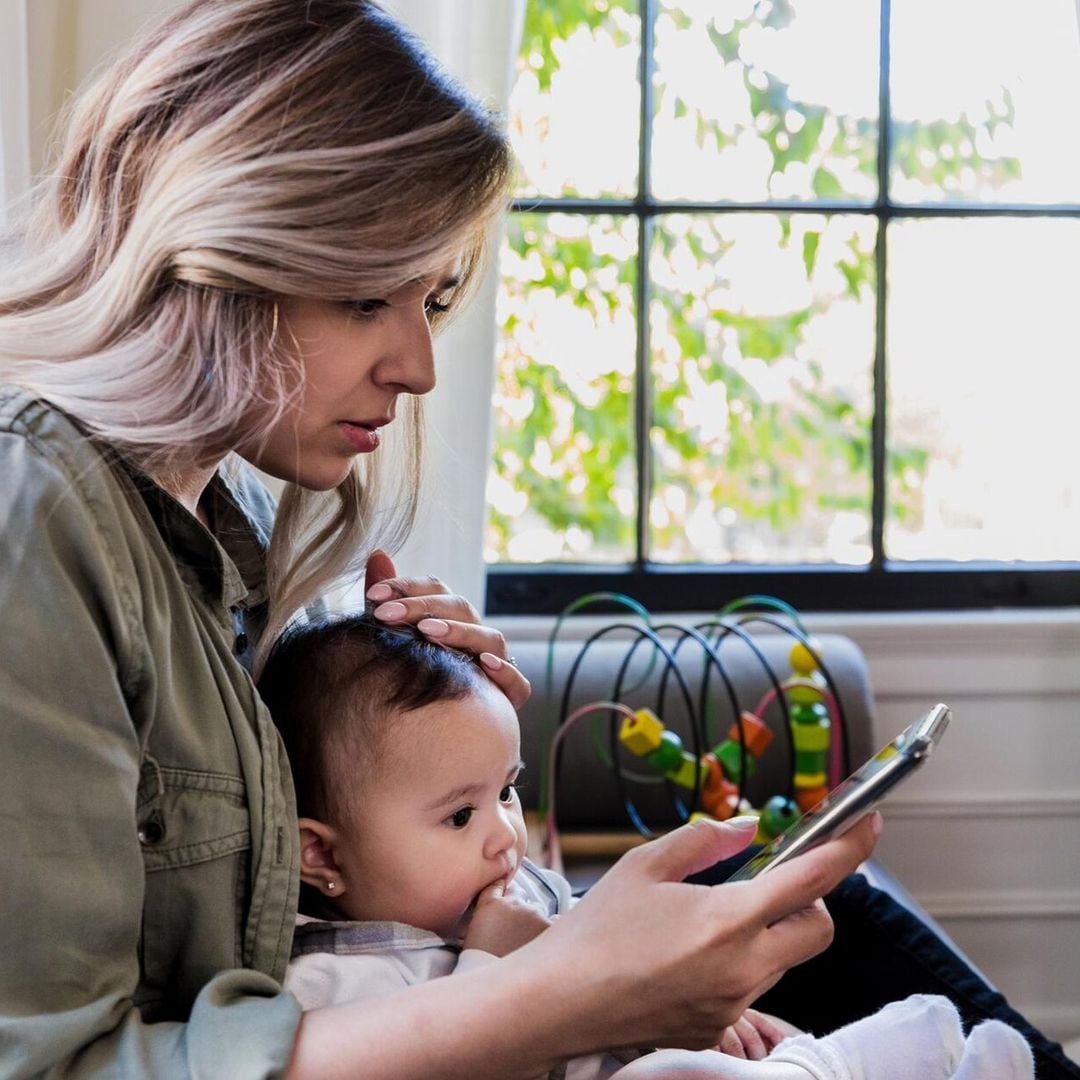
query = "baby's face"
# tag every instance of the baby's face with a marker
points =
(441, 823)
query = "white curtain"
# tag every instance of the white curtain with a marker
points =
(47, 47)
(15, 167)
(478, 41)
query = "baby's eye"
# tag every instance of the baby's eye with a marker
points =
(507, 793)
(460, 818)
(365, 307)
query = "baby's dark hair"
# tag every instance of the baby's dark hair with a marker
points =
(333, 687)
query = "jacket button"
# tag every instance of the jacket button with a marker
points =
(150, 832)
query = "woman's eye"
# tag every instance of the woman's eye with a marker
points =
(460, 818)
(365, 307)
(437, 305)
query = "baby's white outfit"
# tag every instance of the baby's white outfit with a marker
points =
(919, 1038)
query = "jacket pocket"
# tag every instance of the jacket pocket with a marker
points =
(195, 832)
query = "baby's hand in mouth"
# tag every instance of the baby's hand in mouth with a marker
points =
(500, 923)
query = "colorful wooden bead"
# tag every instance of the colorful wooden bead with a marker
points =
(803, 660)
(688, 772)
(808, 713)
(642, 734)
(757, 733)
(730, 755)
(811, 761)
(668, 754)
(804, 693)
(720, 800)
(778, 814)
(808, 798)
(811, 738)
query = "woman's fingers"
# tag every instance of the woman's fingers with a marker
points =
(379, 568)
(693, 847)
(507, 678)
(794, 886)
(442, 616)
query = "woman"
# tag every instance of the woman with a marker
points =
(260, 215)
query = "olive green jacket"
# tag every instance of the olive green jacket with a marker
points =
(148, 841)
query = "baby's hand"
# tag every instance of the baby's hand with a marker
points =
(500, 924)
(754, 1035)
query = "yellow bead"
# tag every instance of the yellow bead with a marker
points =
(641, 735)
(801, 658)
(810, 780)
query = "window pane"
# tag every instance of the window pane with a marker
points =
(575, 107)
(983, 431)
(762, 355)
(563, 483)
(982, 101)
(766, 99)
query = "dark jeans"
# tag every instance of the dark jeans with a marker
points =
(882, 952)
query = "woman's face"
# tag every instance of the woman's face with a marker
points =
(356, 359)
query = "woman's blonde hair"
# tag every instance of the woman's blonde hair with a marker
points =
(243, 151)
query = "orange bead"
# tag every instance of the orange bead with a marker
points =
(720, 800)
(808, 798)
(758, 735)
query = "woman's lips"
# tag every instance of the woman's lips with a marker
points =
(362, 439)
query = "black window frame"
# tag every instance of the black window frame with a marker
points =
(882, 585)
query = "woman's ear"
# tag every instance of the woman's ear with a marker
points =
(318, 863)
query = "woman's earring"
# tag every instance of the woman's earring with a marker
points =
(331, 886)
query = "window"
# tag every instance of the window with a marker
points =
(787, 306)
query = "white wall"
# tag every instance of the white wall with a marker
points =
(987, 836)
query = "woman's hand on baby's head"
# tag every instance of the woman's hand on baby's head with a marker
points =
(439, 615)
(500, 924)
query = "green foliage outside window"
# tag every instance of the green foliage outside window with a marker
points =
(760, 325)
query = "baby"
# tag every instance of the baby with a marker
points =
(412, 838)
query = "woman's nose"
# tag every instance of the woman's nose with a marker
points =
(411, 368)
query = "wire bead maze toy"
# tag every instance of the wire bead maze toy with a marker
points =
(709, 777)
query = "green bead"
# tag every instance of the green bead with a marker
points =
(808, 714)
(729, 754)
(810, 761)
(777, 815)
(668, 755)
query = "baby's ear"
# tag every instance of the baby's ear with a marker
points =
(318, 865)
